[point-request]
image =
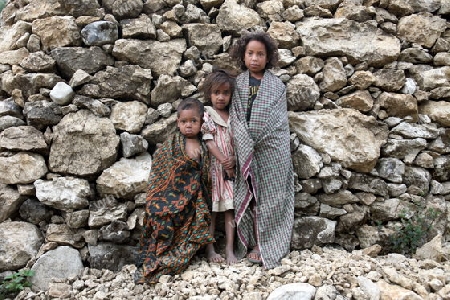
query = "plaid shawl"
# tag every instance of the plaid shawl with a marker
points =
(177, 218)
(264, 162)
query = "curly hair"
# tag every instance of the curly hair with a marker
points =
(215, 79)
(238, 50)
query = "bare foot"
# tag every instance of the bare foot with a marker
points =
(212, 255)
(230, 257)
(254, 256)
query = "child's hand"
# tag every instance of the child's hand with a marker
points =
(230, 173)
(229, 162)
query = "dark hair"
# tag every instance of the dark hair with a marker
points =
(238, 49)
(216, 78)
(191, 103)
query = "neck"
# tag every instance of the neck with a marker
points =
(258, 75)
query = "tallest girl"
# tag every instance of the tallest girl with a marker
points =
(264, 185)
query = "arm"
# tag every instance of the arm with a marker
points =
(214, 150)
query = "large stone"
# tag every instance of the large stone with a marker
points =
(10, 36)
(21, 167)
(100, 33)
(83, 144)
(20, 241)
(159, 131)
(46, 8)
(438, 111)
(423, 28)
(60, 263)
(301, 92)
(310, 231)
(169, 89)
(234, 17)
(306, 161)
(11, 201)
(341, 37)
(28, 83)
(57, 31)
(347, 136)
(206, 37)
(23, 138)
(111, 256)
(161, 58)
(129, 116)
(38, 62)
(124, 8)
(129, 82)
(293, 291)
(126, 178)
(14, 57)
(64, 193)
(71, 59)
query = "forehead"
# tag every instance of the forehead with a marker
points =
(189, 113)
(255, 46)
(221, 85)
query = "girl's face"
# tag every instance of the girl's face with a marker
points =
(221, 96)
(255, 58)
(189, 122)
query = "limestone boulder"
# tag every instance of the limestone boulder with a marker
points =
(234, 17)
(437, 110)
(358, 41)
(347, 136)
(23, 138)
(46, 8)
(309, 231)
(11, 37)
(60, 263)
(83, 144)
(11, 201)
(21, 167)
(57, 31)
(206, 37)
(127, 82)
(168, 89)
(161, 58)
(129, 116)
(422, 28)
(71, 59)
(65, 193)
(20, 242)
(126, 178)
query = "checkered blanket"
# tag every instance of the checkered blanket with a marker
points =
(265, 170)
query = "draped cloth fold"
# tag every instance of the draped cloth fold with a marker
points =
(177, 219)
(265, 171)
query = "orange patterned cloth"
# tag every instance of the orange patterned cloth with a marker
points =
(177, 219)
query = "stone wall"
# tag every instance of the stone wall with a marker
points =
(88, 90)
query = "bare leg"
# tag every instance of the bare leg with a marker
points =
(229, 235)
(254, 254)
(210, 251)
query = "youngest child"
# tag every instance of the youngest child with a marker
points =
(177, 219)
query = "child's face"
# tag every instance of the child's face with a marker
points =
(221, 96)
(255, 58)
(189, 122)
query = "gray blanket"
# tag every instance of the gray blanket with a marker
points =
(264, 160)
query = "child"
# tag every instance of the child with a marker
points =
(218, 89)
(264, 184)
(177, 218)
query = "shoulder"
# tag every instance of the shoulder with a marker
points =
(275, 81)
